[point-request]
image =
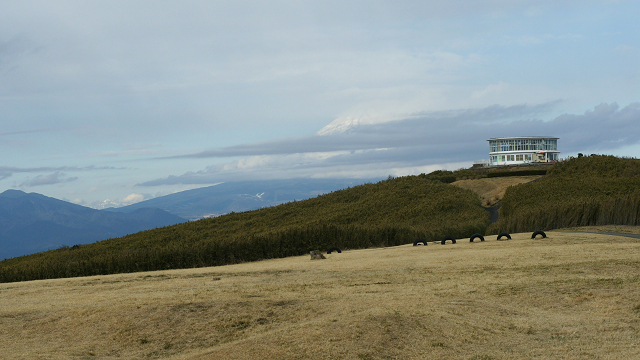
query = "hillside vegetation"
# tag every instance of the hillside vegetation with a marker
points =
(387, 213)
(592, 190)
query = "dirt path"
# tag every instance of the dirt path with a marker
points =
(491, 190)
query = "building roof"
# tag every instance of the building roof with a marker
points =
(523, 137)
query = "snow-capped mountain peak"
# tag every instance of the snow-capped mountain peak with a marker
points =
(339, 126)
(345, 124)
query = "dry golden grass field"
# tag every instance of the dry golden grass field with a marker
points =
(491, 190)
(569, 296)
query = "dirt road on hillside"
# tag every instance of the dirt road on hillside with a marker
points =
(491, 190)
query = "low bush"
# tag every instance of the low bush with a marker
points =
(590, 190)
(527, 172)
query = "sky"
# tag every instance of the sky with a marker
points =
(107, 103)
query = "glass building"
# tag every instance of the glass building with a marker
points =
(523, 150)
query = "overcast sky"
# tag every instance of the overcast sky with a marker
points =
(106, 103)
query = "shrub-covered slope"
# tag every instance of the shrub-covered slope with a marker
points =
(391, 212)
(593, 190)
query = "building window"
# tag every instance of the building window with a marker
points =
(519, 157)
(527, 157)
(510, 157)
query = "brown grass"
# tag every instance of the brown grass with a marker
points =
(624, 229)
(491, 190)
(570, 296)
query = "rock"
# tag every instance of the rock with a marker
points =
(317, 255)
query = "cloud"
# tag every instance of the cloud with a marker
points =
(8, 171)
(132, 199)
(419, 130)
(250, 82)
(495, 89)
(51, 179)
(449, 138)
(28, 132)
(211, 58)
(104, 204)
(365, 166)
(605, 128)
(128, 200)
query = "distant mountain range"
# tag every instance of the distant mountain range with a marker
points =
(241, 196)
(31, 222)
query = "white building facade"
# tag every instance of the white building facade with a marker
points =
(523, 150)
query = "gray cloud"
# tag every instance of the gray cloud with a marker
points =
(606, 126)
(442, 127)
(13, 48)
(423, 139)
(210, 59)
(8, 171)
(28, 132)
(51, 179)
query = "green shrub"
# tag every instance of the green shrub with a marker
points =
(593, 190)
(526, 172)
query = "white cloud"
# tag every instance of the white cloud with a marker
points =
(492, 90)
(127, 200)
(104, 204)
(132, 199)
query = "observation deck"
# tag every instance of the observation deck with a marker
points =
(523, 150)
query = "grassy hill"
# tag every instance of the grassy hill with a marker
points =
(392, 212)
(591, 190)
